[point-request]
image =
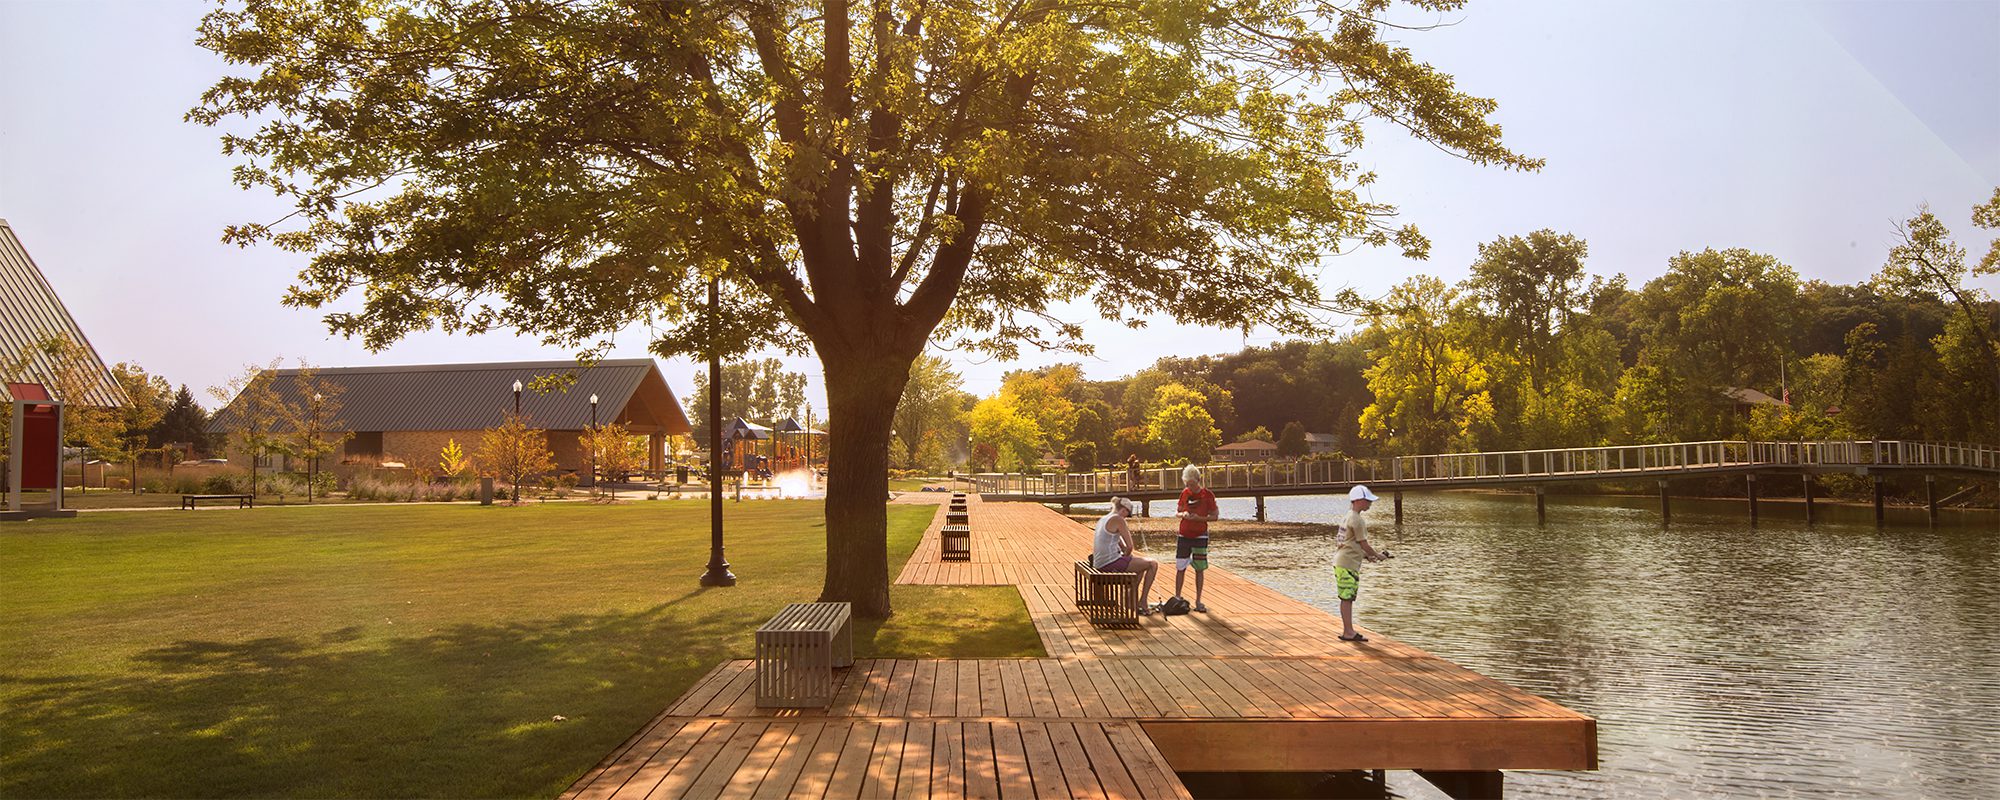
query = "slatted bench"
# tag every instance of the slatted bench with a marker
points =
(797, 652)
(956, 541)
(957, 516)
(242, 500)
(1106, 598)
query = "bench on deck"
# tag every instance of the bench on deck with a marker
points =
(955, 543)
(242, 500)
(957, 516)
(797, 652)
(1107, 598)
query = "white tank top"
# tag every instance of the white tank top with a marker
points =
(1105, 548)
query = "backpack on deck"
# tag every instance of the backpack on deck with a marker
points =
(1175, 606)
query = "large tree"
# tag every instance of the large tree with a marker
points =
(860, 178)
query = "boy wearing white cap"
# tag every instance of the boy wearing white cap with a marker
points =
(1196, 509)
(1350, 548)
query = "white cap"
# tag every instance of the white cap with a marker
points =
(1190, 474)
(1360, 492)
(1121, 502)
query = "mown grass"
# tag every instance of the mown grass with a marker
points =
(400, 651)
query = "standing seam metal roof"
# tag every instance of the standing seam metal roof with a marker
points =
(29, 311)
(458, 397)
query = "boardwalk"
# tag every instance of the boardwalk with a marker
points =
(1662, 462)
(1257, 684)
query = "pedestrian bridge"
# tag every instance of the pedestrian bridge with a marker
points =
(1880, 459)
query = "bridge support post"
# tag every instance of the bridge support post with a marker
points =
(1145, 508)
(1809, 498)
(1260, 508)
(1541, 506)
(1930, 498)
(1065, 509)
(1878, 501)
(1750, 482)
(1666, 508)
(1399, 508)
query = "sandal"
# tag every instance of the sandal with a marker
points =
(1147, 611)
(1201, 608)
(1355, 638)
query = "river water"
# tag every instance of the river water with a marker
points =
(1720, 660)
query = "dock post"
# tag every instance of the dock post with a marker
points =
(1541, 506)
(1809, 498)
(1260, 508)
(1751, 481)
(1878, 501)
(1065, 509)
(1666, 509)
(1145, 508)
(1930, 498)
(1399, 508)
(1486, 784)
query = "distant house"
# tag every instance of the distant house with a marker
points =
(1253, 450)
(1317, 443)
(407, 413)
(29, 313)
(1743, 401)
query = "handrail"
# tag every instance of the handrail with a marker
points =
(1574, 463)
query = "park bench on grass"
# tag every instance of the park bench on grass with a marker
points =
(956, 541)
(242, 500)
(1106, 598)
(797, 652)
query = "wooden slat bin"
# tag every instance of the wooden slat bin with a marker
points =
(956, 541)
(797, 651)
(957, 516)
(1106, 598)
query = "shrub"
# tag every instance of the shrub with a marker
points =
(283, 485)
(232, 482)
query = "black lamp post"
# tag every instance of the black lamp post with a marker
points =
(312, 430)
(517, 398)
(593, 449)
(718, 573)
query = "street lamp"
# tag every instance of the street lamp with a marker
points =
(517, 398)
(593, 449)
(312, 430)
(718, 573)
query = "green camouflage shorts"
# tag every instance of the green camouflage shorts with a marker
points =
(1346, 583)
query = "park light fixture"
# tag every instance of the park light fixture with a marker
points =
(593, 449)
(517, 398)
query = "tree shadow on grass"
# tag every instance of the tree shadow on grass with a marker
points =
(464, 712)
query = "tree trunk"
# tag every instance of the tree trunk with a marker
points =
(861, 395)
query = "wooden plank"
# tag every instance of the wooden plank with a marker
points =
(885, 766)
(1143, 762)
(902, 680)
(758, 763)
(914, 779)
(1075, 762)
(1043, 765)
(1105, 762)
(981, 772)
(1010, 758)
(698, 757)
(608, 777)
(722, 768)
(791, 761)
(948, 760)
(817, 771)
(663, 760)
(851, 770)
(1332, 745)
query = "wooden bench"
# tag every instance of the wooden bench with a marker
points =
(955, 543)
(957, 516)
(1107, 598)
(242, 500)
(797, 652)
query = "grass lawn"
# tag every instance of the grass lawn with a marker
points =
(114, 498)
(400, 651)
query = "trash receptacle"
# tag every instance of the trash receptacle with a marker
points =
(486, 491)
(681, 473)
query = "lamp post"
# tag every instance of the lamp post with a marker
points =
(593, 442)
(718, 570)
(517, 398)
(312, 431)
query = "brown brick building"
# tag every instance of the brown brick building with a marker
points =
(406, 414)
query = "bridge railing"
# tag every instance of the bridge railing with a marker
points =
(1575, 463)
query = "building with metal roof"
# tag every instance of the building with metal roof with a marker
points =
(30, 313)
(407, 413)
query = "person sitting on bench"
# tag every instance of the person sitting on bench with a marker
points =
(1112, 551)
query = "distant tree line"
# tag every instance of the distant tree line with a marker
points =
(1534, 351)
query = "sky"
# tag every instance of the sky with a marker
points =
(1803, 130)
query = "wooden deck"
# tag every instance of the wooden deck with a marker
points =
(1258, 684)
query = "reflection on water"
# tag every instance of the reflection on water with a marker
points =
(1720, 660)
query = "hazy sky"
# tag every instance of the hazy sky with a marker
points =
(1802, 130)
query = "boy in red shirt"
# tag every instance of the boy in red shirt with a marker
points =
(1197, 509)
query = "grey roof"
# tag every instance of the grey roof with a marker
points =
(1253, 444)
(460, 397)
(29, 312)
(1321, 437)
(1750, 397)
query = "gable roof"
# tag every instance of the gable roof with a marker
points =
(29, 312)
(460, 397)
(1253, 444)
(1321, 437)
